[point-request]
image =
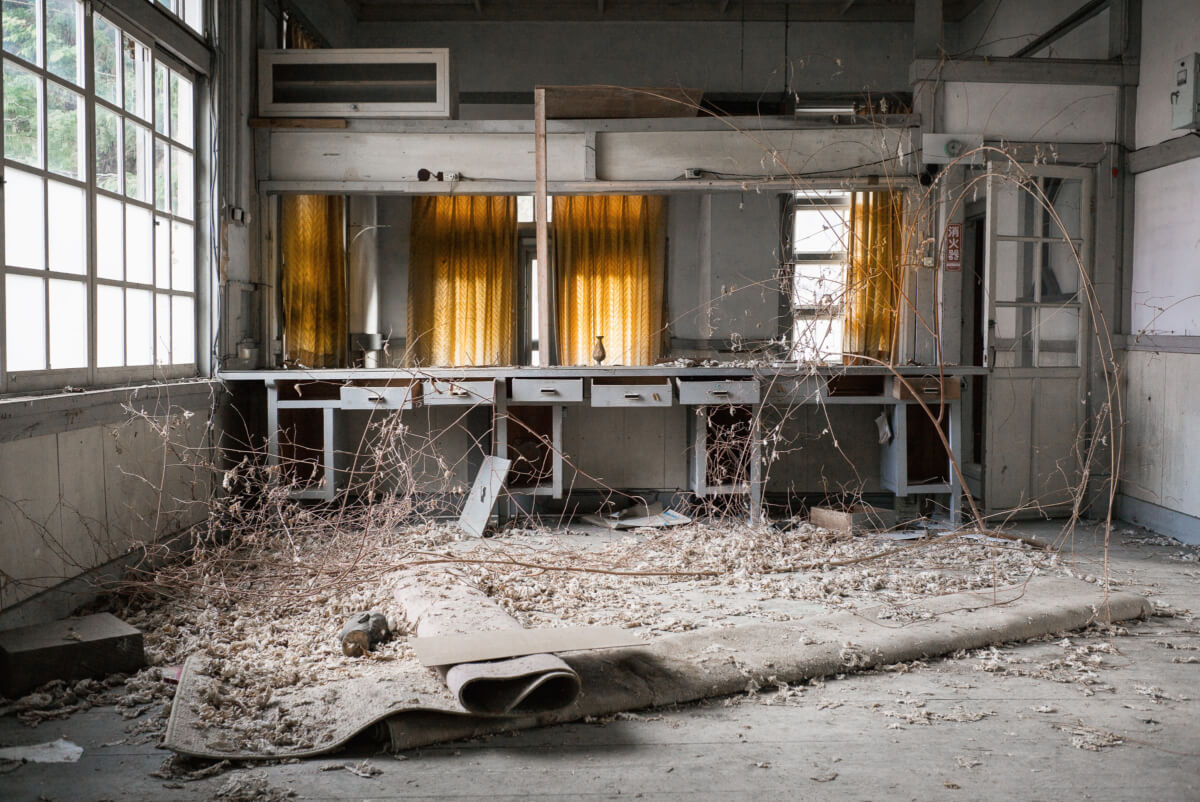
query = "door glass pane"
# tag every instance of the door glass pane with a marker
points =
(65, 129)
(183, 258)
(25, 322)
(22, 34)
(64, 39)
(136, 60)
(139, 327)
(68, 228)
(139, 245)
(1065, 196)
(162, 253)
(110, 230)
(110, 326)
(107, 59)
(137, 161)
(1058, 337)
(108, 150)
(162, 327)
(68, 324)
(1014, 271)
(22, 116)
(181, 183)
(183, 331)
(1013, 338)
(24, 213)
(1060, 275)
(181, 109)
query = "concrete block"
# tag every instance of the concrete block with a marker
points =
(70, 649)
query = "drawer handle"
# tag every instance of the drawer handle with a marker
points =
(633, 395)
(377, 399)
(458, 392)
(720, 392)
(549, 390)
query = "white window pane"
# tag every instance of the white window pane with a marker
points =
(193, 14)
(64, 131)
(817, 339)
(110, 326)
(182, 191)
(137, 161)
(162, 325)
(162, 252)
(68, 228)
(524, 208)
(183, 257)
(161, 84)
(64, 26)
(162, 176)
(818, 230)
(139, 245)
(139, 327)
(25, 319)
(818, 284)
(110, 231)
(135, 58)
(183, 331)
(182, 93)
(107, 58)
(24, 226)
(108, 150)
(22, 32)
(22, 115)
(68, 324)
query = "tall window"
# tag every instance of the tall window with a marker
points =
(99, 200)
(817, 248)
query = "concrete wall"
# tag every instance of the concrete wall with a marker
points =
(1163, 429)
(83, 484)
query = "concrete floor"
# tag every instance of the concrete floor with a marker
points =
(858, 737)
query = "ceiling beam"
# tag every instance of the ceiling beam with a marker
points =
(647, 10)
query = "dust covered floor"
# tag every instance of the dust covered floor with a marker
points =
(1105, 715)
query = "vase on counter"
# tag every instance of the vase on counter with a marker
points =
(598, 353)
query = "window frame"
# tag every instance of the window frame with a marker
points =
(93, 375)
(795, 259)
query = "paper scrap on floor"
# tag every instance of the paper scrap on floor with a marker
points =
(60, 751)
(637, 516)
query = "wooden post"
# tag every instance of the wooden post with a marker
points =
(543, 239)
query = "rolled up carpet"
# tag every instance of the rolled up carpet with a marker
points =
(441, 603)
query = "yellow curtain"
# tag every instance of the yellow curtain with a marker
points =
(462, 281)
(609, 256)
(874, 275)
(314, 281)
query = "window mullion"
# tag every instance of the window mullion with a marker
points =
(89, 93)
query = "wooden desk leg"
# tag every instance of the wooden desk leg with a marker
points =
(956, 458)
(272, 424)
(330, 474)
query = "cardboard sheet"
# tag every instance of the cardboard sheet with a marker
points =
(447, 650)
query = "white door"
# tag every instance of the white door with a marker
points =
(1039, 235)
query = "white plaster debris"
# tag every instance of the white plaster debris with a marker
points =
(60, 751)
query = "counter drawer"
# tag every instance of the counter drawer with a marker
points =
(658, 394)
(377, 397)
(739, 391)
(468, 392)
(927, 388)
(547, 391)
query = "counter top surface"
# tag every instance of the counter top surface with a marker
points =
(671, 370)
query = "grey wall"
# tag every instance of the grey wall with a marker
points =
(395, 212)
(1163, 429)
(716, 57)
(1002, 27)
